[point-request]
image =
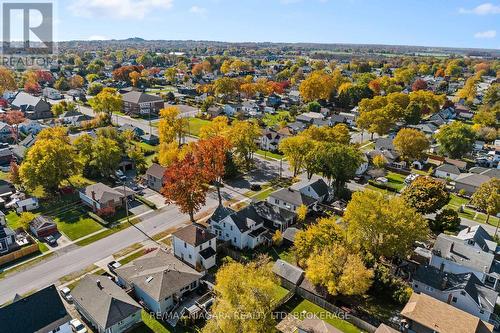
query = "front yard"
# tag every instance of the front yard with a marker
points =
(456, 202)
(195, 124)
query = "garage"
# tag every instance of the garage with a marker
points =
(43, 226)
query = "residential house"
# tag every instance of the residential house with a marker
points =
(425, 314)
(296, 127)
(32, 127)
(43, 226)
(158, 279)
(7, 238)
(6, 156)
(275, 218)
(469, 182)
(290, 199)
(230, 109)
(455, 255)
(135, 130)
(309, 117)
(51, 93)
(40, 312)
(479, 238)
(106, 306)
(7, 133)
(150, 139)
(32, 107)
(74, 118)
(250, 107)
(383, 328)
(447, 171)
(26, 205)
(350, 118)
(154, 177)
(463, 291)
(289, 274)
(270, 140)
(242, 229)
(6, 189)
(315, 188)
(195, 246)
(139, 103)
(100, 196)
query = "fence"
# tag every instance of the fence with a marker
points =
(15, 255)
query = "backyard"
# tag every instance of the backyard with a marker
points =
(302, 309)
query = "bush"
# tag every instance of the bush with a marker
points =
(381, 186)
(98, 219)
(446, 220)
(146, 202)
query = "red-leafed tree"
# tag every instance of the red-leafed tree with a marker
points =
(211, 154)
(44, 76)
(185, 185)
(32, 87)
(123, 73)
(419, 84)
(14, 118)
(14, 174)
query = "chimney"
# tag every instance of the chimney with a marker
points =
(99, 285)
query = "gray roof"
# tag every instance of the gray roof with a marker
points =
(480, 236)
(316, 325)
(102, 192)
(221, 213)
(137, 97)
(290, 233)
(288, 271)
(454, 249)
(472, 179)
(107, 304)
(156, 170)
(273, 213)
(319, 186)
(293, 197)
(24, 100)
(244, 218)
(159, 274)
(484, 297)
(448, 168)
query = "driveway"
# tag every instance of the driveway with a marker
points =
(154, 197)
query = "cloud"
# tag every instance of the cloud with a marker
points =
(198, 10)
(98, 37)
(118, 9)
(483, 9)
(486, 34)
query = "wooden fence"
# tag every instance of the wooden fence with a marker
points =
(15, 255)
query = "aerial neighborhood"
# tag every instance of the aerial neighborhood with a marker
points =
(190, 186)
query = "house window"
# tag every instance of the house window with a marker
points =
(276, 201)
(193, 285)
(454, 299)
(231, 228)
(462, 293)
(416, 286)
(185, 245)
(201, 247)
(210, 243)
(190, 256)
(481, 312)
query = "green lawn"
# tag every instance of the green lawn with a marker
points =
(301, 308)
(456, 202)
(195, 124)
(280, 292)
(152, 325)
(396, 181)
(75, 222)
(268, 154)
(132, 257)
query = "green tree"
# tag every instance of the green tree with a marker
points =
(243, 136)
(446, 220)
(245, 298)
(106, 156)
(108, 101)
(487, 198)
(295, 148)
(49, 161)
(426, 194)
(456, 139)
(411, 144)
(382, 225)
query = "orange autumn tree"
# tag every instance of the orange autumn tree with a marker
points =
(211, 154)
(185, 185)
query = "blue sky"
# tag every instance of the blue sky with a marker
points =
(459, 23)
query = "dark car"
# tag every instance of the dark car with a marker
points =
(113, 265)
(50, 240)
(255, 187)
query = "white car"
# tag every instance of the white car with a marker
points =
(120, 175)
(77, 326)
(382, 180)
(66, 294)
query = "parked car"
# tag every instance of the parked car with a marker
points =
(77, 326)
(66, 294)
(255, 187)
(120, 175)
(113, 265)
(51, 240)
(382, 180)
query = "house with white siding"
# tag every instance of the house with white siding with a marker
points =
(196, 246)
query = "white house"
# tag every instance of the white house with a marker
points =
(195, 246)
(463, 291)
(290, 199)
(447, 171)
(26, 205)
(158, 279)
(242, 229)
(315, 188)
